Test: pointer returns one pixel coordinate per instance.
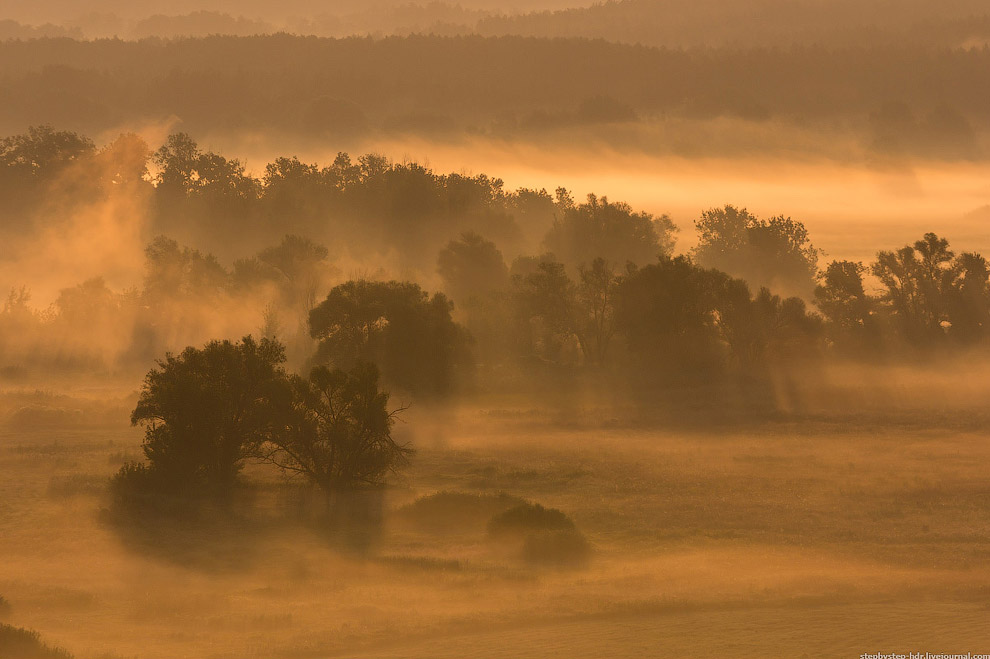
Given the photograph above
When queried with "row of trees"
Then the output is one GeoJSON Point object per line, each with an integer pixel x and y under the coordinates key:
{"type": "Point", "coordinates": [604, 277]}
{"type": "Point", "coordinates": [207, 199]}
{"type": "Point", "coordinates": [671, 318]}
{"type": "Point", "coordinates": [929, 297]}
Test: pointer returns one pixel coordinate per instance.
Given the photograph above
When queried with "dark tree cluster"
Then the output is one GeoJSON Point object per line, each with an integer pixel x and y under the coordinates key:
{"type": "Point", "coordinates": [607, 295]}
{"type": "Point", "coordinates": [207, 411]}
{"type": "Point", "coordinates": [929, 299]}
{"type": "Point", "coordinates": [397, 325]}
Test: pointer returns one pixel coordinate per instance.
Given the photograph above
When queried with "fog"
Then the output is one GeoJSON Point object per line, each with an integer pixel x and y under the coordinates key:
{"type": "Point", "coordinates": [533, 329]}
{"type": "Point", "coordinates": [955, 23]}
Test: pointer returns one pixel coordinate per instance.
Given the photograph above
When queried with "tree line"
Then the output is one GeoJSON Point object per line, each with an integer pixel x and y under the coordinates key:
{"type": "Point", "coordinates": [334, 89]}
{"type": "Point", "coordinates": [601, 290]}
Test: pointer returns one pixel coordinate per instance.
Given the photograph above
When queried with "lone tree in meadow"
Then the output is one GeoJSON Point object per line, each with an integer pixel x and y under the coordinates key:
{"type": "Point", "coordinates": [206, 410]}
{"type": "Point", "coordinates": [340, 432]}
{"type": "Point", "coordinates": [209, 410]}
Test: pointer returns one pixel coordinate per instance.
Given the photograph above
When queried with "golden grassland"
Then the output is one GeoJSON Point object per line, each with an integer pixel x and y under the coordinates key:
{"type": "Point", "coordinates": [815, 535]}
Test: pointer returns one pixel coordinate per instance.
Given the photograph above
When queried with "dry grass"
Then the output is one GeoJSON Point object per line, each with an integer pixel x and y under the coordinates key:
{"type": "Point", "coordinates": [817, 537]}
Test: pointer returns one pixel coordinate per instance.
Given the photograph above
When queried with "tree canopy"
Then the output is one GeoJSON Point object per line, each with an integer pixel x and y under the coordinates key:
{"type": "Point", "coordinates": [206, 409]}
{"type": "Point", "coordinates": [339, 433]}
{"type": "Point", "coordinates": [776, 253]}
{"type": "Point", "coordinates": [599, 228]}
{"type": "Point", "coordinates": [397, 326]}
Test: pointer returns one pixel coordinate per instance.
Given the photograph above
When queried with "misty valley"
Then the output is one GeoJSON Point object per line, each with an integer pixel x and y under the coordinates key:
{"type": "Point", "coordinates": [404, 331]}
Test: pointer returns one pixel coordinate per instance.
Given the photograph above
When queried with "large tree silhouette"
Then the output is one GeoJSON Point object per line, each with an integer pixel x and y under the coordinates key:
{"type": "Point", "coordinates": [339, 432]}
{"type": "Point", "coordinates": [397, 326]}
{"type": "Point", "coordinates": [207, 409]}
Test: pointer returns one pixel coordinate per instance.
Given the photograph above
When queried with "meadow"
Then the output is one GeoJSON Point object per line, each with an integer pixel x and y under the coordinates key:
{"type": "Point", "coordinates": [809, 534]}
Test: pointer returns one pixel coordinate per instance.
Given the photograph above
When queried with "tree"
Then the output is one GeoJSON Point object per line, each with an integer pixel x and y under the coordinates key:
{"type": "Point", "coordinates": [847, 308]}
{"type": "Point", "coordinates": [292, 190]}
{"type": "Point", "coordinates": [692, 323]}
{"type": "Point", "coordinates": [969, 306]}
{"type": "Point", "coordinates": [776, 253]}
{"type": "Point", "coordinates": [932, 295]}
{"type": "Point", "coordinates": [207, 409]}
{"type": "Point", "coordinates": [125, 161]}
{"type": "Point", "coordinates": [176, 161]}
{"type": "Point", "coordinates": [340, 433]}
{"type": "Point", "coordinates": [44, 166]}
{"type": "Point", "coordinates": [472, 266]}
{"type": "Point", "coordinates": [547, 306]}
{"type": "Point", "coordinates": [767, 330]}
{"type": "Point", "coordinates": [918, 280]}
{"type": "Point", "coordinates": [186, 170]}
{"type": "Point", "coordinates": [174, 272]}
{"type": "Point", "coordinates": [202, 193]}
{"type": "Point", "coordinates": [596, 293]}
{"type": "Point", "coordinates": [612, 231]}
{"type": "Point", "coordinates": [667, 314]}
{"type": "Point", "coordinates": [42, 153]}
{"type": "Point", "coordinates": [300, 268]}
{"type": "Point", "coordinates": [397, 326]}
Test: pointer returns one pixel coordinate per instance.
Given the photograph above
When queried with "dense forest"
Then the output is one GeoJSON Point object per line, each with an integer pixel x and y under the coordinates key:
{"type": "Point", "coordinates": [671, 23]}
{"type": "Point", "coordinates": [899, 99]}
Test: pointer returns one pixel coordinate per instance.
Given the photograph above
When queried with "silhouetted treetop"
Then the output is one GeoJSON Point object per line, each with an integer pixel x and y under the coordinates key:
{"type": "Point", "coordinates": [339, 433]}
{"type": "Point", "coordinates": [611, 231]}
{"type": "Point", "coordinates": [397, 326]}
{"type": "Point", "coordinates": [472, 266]}
{"type": "Point", "coordinates": [775, 253]}
{"type": "Point", "coordinates": [205, 410]}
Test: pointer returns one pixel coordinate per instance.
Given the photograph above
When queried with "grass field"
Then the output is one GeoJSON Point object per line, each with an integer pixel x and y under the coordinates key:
{"type": "Point", "coordinates": [809, 536]}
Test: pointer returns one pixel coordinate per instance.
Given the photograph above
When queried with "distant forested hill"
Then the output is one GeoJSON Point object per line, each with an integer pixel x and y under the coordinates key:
{"type": "Point", "coordinates": [506, 85]}
{"type": "Point", "coordinates": [758, 22]}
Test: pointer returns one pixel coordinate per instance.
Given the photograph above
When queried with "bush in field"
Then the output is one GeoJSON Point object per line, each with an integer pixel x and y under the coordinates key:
{"type": "Point", "coordinates": [208, 411]}
{"type": "Point", "coordinates": [18, 643]}
{"type": "Point", "coordinates": [456, 511]}
{"type": "Point", "coordinates": [558, 547]}
{"type": "Point", "coordinates": [528, 517]}
{"type": "Point", "coordinates": [140, 487]}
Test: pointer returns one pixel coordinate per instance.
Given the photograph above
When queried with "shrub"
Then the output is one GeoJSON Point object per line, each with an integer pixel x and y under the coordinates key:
{"type": "Point", "coordinates": [557, 547]}
{"type": "Point", "coordinates": [76, 484]}
{"type": "Point", "coordinates": [447, 511]}
{"type": "Point", "coordinates": [18, 643]}
{"type": "Point", "coordinates": [140, 488]}
{"type": "Point", "coordinates": [4, 606]}
{"type": "Point", "coordinates": [527, 517]}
